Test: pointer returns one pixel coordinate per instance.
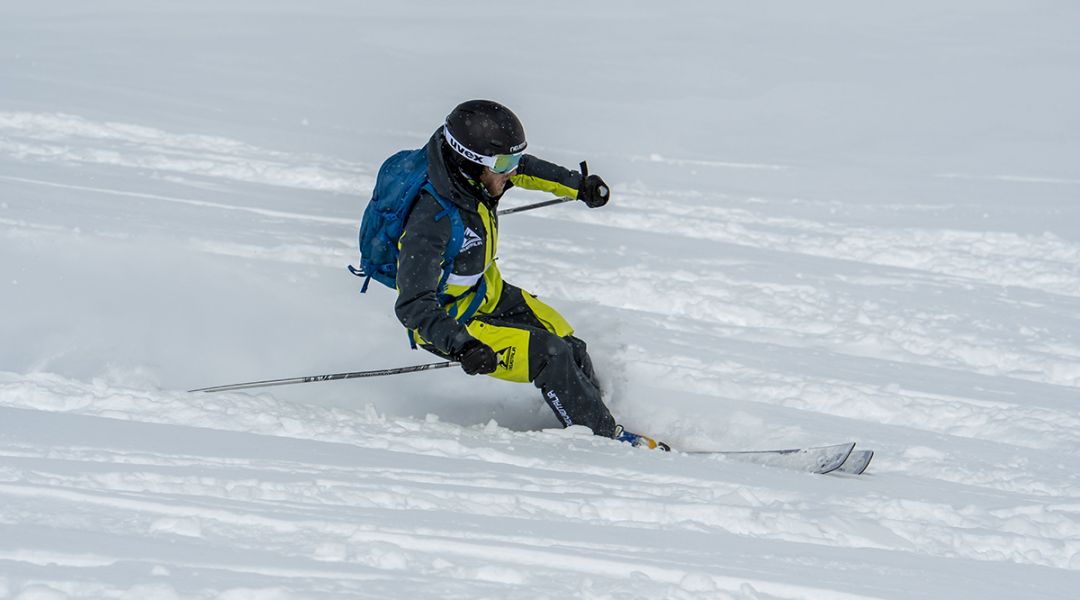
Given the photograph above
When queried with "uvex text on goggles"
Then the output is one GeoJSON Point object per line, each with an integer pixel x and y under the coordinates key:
{"type": "Point", "coordinates": [500, 163]}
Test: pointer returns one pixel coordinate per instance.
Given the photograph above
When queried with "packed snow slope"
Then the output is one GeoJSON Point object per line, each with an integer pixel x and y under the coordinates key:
{"type": "Point", "coordinates": [831, 221]}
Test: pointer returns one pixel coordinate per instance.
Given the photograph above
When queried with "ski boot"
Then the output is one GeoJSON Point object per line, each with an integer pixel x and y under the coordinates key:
{"type": "Point", "coordinates": [639, 441]}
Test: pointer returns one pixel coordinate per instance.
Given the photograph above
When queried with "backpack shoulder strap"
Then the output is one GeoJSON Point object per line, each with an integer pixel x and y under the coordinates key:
{"type": "Point", "coordinates": [457, 230]}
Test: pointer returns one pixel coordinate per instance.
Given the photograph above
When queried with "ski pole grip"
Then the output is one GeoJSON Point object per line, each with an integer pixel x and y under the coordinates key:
{"type": "Point", "coordinates": [584, 170]}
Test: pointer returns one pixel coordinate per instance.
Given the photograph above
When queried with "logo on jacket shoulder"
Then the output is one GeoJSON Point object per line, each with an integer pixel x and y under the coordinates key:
{"type": "Point", "coordinates": [471, 240]}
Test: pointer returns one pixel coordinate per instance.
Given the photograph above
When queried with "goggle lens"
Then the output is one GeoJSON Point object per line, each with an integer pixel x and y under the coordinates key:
{"type": "Point", "coordinates": [504, 163]}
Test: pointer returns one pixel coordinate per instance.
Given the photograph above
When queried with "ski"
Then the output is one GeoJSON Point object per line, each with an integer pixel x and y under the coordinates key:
{"type": "Point", "coordinates": [857, 462]}
{"type": "Point", "coordinates": [821, 460]}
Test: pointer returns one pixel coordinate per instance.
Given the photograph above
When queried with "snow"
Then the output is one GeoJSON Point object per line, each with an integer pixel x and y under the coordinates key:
{"type": "Point", "coordinates": [831, 221]}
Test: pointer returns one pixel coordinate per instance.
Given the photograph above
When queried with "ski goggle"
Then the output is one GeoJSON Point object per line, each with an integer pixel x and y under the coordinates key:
{"type": "Point", "coordinates": [500, 163]}
{"type": "Point", "coordinates": [504, 163]}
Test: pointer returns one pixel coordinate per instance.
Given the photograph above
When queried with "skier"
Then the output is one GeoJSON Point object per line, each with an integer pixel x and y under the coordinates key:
{"type": "Point", "coordinates": [464, 310]}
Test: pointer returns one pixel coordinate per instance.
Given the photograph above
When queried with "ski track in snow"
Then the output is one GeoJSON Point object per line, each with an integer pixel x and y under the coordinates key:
{"type": "Point", "coordinates": [74, 140]}
{"type": "Point", "coordinates": [954, 353]}
{"type": "Point", "coordinates": [1045, 263]}
{"type": "Point", "coordinates": [309, 496]}
{"type": "Point", "coordinates": [841, 315]}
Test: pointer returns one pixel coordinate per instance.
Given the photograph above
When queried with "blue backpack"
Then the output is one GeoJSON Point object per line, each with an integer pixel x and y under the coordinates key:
{"type": "Point", "coordinates": [397, 187]}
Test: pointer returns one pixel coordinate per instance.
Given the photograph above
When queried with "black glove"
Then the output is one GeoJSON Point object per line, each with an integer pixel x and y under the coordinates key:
{"type": "Point", "coordinates": [477, 358]}
{"type": "Point", "coordinates": [592, 191]}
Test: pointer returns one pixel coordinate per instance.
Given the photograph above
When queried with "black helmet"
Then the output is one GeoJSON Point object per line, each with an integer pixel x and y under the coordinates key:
{"type": "Point", "coordinates": [485, 133]}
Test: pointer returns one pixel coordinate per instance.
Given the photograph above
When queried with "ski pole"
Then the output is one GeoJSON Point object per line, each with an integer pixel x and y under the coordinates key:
{"type": "Point", "coordinates": [518, 209]}
{"type": "Point", "coordinates": [332, 377]}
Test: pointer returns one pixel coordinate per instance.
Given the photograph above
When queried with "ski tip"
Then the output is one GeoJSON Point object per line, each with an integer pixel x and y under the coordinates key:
{"type": "Point", "coordinates": [868, 456]}
{"type": "Point", "coordinates": [835, 460]}
{"type": "Point", "coordinates": [857, 463]}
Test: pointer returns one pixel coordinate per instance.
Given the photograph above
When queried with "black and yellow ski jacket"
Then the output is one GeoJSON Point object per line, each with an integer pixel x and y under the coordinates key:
{"type": "Point", "coordinates": [437, 315]}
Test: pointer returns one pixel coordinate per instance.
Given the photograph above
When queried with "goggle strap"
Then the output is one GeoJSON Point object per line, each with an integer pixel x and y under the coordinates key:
{"type": "Point", "coordinates": [491, 162]}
